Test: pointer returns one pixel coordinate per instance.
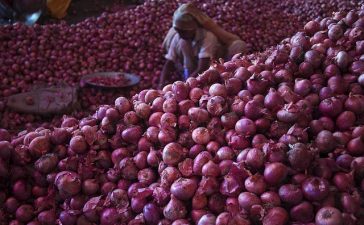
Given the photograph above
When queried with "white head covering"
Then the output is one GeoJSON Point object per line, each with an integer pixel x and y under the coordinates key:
{"type": "Point", "coordinates": [184, 21]}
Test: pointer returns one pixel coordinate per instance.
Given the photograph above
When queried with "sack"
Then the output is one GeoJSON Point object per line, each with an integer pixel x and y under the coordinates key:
{"type": "Point", "coordinates": [58, 8]}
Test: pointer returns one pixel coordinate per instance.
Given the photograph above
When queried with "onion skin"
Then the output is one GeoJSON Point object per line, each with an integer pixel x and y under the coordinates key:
{"type": "Point", "coordinates": [276, 215]}
{"type": "Point", "coordinates": [302, 212]}
{"type": "Point", "coordinates": [328, 215]}
{"type": "Point", "coordinates": [174, 209]}
{"type": "Point", "coordinates": [184, 189]}
{"type": "Point", "coordinates": [275, 173]}
{"type": "Point", "coordinates": [315, 189]}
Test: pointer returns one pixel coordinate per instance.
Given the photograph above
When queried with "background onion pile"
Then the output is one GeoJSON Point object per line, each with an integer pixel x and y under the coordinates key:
{"type": "Point", "coordinates": [129, 40]}
{"type": "Point", "coordinates": [269, 138]}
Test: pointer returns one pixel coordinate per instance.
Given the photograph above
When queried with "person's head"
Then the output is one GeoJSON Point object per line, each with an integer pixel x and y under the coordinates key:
{"type": "Point", "coordinates": [185, 25]}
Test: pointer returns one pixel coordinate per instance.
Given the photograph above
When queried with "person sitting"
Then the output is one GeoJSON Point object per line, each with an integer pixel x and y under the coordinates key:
{"type": "Point", "coordinates": [193, 41]}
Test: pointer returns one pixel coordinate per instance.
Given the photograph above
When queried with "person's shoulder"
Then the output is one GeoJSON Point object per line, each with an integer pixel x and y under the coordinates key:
{"type": "Point", "coordinates": [210, 35]}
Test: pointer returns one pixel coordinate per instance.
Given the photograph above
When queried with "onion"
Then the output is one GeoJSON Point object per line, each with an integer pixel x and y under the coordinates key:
{"type": "Point", "coordinates": [180, 90]}
{"type": "Point", "coordinates": [218, 90]}
{"type": "Point", "coordinates": [216, 106]}
{"type": "Point", "coordinates": [207, 219]}
{"type": "Point", "coordinates": [174, 210]}
{"type": "Point", "coordinates": [229, 120]}
{"type": "Point", "coordinates": [211, 169]}
{"type": "Point", "coordinates": [335, 32]}
{"type": "Point", "coordinates": [132, 134]}
{"type": "Point", "coordinates": [183, 188]}
{"type": "Point", "coordinates": [270, 198]}
{"type": "Point", "coordinates": [255, 184]}
{"type": "Point", "coordinates": [151, 214]}
{"type": "Point", "coordinates": [345, 120]}
{"type": "Point", "coordinates": [255, 158]}
{"type": "Point", "coordinates": [275, 173]}
{"type": "Point", "coordinates": [201, 135]}
{"type": "Point", "coordinates": [172, 153]}
{"type": "Point", "coordinates": [247, 200]}
{"type": "Point", "coordinates": [25, 213]}
{"type": "Point", "coordinates": [313, 57]}
{"type": "Point", "coordinates": [355, 103]}
{"type": "Point", "coordinates": [253, 110]}
{"type": "Point", "coordinates": [325, 141]}
{"type": "Point", "coordinates": [39, 145]}
{"type": "Point", "coordinates": [315, 188]}
{"type": "Point", "coordinates": [355, 146]}
{"type": "Point", "coordinates": [302, 212]}
{"type": "Point", "coordinates": [233, 86]}
{"type": "Point", "coordinates": [47, 217]}
{"type": "Point", "coordinates": [328, 215]}
{"type": "Point", "coordinates": [299, 157]}
{"type": "Point", "coordinates": [46, 163]}
{"type": "Point", "coordinates": [273, 100]}
{"type": "Point", "coordinates": [276, 215]}
{"type": "Point", "coordinates": [198, 115]}
{"type": "Point", "coordinates": [123, 105]}
{"type": "Point", "coordinates": [290, 194]}
{"type": "Point", "coordinates": [21, 190]}
{"type": "Point", "coordinates": [142, 110]}
{"type": "Point", "coordinates": [331, 107]}
{"type": "Point", "coordinates": [289, 114]}
{"type": "Point", "coordinates": [245, 127]}
{"type": "Point", "coordinates": [68, 183]}
{"type": "Point", "coordinates": [257, 85]}
{"type": "Point", "coordinates": [170, 105]}
{"type": "Point", "coordinates": [312, 27]}
{"type": "Point", "coordinates": [302, 87]}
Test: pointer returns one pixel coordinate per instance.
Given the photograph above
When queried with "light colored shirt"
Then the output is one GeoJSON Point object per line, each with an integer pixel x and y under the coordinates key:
{"type": "Point", "coordinates": [204, 45]}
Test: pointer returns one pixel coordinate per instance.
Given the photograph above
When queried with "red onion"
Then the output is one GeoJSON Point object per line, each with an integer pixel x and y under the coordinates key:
{"type": "Point", "coordinates": [198, 115]}
{"type": "Point", "coordinates": [315, 189]}
{"type": "Point", "coordinates": [257, 85]}
{"type": "Point", "coordinates": [201, 135]}
{"type": "Point", "coordinates": [218, 90]}
{"type": "Point", "coordinates": [276, 215]}
{"type": "Point", "coordinates": [302, 212]}
{"type": "Point", "coordinates": [132, 134]}
{"type": "Point", "coordinates": [216, 106]}
{"type": "Point", "coordinates": [355, 146]}
{"type": "Point", "coordinates": [325, 141]}
{"type": "Point", "coordinates": [174, 210]}
{"type": "Point", "coordinates": [247, 200]}
{"type": "Point", "coordinates": [180, 90]}
{"type": "Point", "coordinates": [328, 215]}
{"type": "Point", "coordinates": [275, 173]}
{"type": "Point", "coordinates": [290, 194]}
{"type": "Point", "coordinates": [245, 127]}
{"type": "Point", "coordinates": [299, 157]}
{"type": "Point", "coordinates": [273, 100]}
{"type": "Point", "coordinates": [68, 183]}
{"type": "Point", "coordinates": [270, 198]}
{"type": "Point", "coordinates": [255, 184]}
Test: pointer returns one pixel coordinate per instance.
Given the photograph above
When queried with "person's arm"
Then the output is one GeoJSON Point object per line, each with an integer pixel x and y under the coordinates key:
{"type": "Point", "coordinates": [203, 64]}
{"type": "Point", "coordinates": [167, 69]}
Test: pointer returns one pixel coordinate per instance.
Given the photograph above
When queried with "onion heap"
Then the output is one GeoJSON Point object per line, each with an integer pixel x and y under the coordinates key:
{"type": "Point", "coordinates": [129, 41]}
{"type": "Point", "coordinates": [269, 138]}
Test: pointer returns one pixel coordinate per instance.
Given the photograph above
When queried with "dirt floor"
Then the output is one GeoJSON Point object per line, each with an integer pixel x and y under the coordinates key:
{"type": "Point", "coordinates": [82, 9]}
